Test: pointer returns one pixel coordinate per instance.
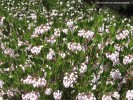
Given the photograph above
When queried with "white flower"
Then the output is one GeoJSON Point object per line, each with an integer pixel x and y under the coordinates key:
{"type": "Point", "coordinates": [57, 32]}
{"type": "Point", "coordinates": [41, 29]}
{"type": "Point", "coordinates": [109, 82]}
{"type": "Point", "coordinates": [95, 79]}
{"type": "Point", "coordinates": [48, 91]}
{"type": "Point", "coordinates": [54, 13]}
{"type": "Point", "coordinates": [10, 93]}
{"type": "Point", "coordinates": [1, 98]}
{"type": "Point", "coordinates": [41, 82]}
{"type": "Point", "coordinates": [114, 57]}
{"type": "Point", "coordinates": [1, 21]}
{"type": "Point", "coordinates": [118, 47]}
{"type": "Point", "coordinates": [70, 79]}
{"type": "Point", "coordinates": [9, 52]}
{"type": "Point", "coordinates": [116, 95]}
{"type": "Point", "coordinates": [30, 96]}
{"type": "Point", "coordinates": [86, 34]}
{"type": "Point", "coordinates": [127, 59]}
{"type": "Point", "coordinates": [36, 82]}
{"type": "Point", "coordinates": [83, 96]}
{"type": "Point", "coordinates": [94, 87]}
{"type": "Point", "coordinates": [70, 24]}
{"type": "Point", "coordinates": [79, 0]}
{"type": "Point", "coordinates": [51, 39]}
{"type": "Point", "coordinates": [78, 47]}
{"type": "Point", "coordinates": [123, 35]}
{"type": "Point", "coordinates": [20, 43]}
{"type": "Point", "coordinates": [36, 49]}
{"type": "Point", "coordinates": [49, 57]}
{"type": "Point", "coordinates": [33, 16]}
{"type": "Point", "coordinates": [75, 47]}
{"type": "Point", "coordinates": [1, 84]}
{"type": "Point", "coordinates": [81, 33]}
{"type": "Point", "coordinates": [65, 31]}
{"type": "Point", "coordinates": [63, 55]}
{"type": "Point", "coordinates": [115, 74]}
{"type": "Point", "coordinates": [106, 97]}
{"type": "Point", "coordinates": [87, 60]}
{"type": "Point", "coordinates": [67, 82]}
{"type": "Point", "coordinates": [2, 46]}
{"type": "Point", "coordinates": [129, 95]}
{"type": "Point", "coordinates": [83, 68]}
{"type": "Point", "coordinates": [51, 54]}
{"type": "Point", "coordinates": [57, 95]}
{"type": "Point", "coordinates": [100, 46]}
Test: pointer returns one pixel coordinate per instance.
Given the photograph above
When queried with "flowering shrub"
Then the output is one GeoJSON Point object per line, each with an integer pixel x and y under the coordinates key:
{"type": "Point", "coordinates": [64, 51]}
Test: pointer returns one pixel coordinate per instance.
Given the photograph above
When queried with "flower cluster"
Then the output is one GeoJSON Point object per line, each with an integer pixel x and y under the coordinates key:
{"type": "Point", "coordinates": [83, 68]}
{"type": "Point", "coordinates": [129, 95]}
{"type": "Point", "coordinates": [70, 79]}
{"type": "Point", "coordinates": [75, 47]}
{"type": "Point", "coordinates": [106, 97]}
{"type": "Point", "coordinates": [54, 13]}
{"type": "Point", "coordinates": [70, 23]}
{"type": "Point", "coordinates": [57, 32]}
{"type": "Point", "coordinates": [118, 47]}
{"type": "Point", "coordinates": [114, 57]}
{"type": "Point", "coordinates": [123, 35]}
{"type": "Point", "coordinates": [57, 95]}
{"type": "Point", "coordinates": [62, 54]}
{"type": "Point", "coordinates": [51, 54]}
{"type": "Point", "coordinates": [95, 78]}
{"type": "Point", "coordinates": [36, 50]}
{"type": "Point", "coordinates": [111, 95]}
{"type": "Point", "coordinates": [10, 52]}
{"type": "Point", "coordinates": [33, 16]}
{"type": "Point", "coordinates": [48, 91]}
{"type": "Point", "coordinates": [127, 59]}
{"type": "Point", "coordinates": [65, 31]}
{"type": "Point", "coordinates": [11, 93]}
{"type": "Point", "coordinates": [115, 74]}
{"type": "Point", "coordinates": [86, 34]}
{"type": "Point", "coordinates": [83, 96]}
{"type": "Point", "coordinates": [30, 96]}
{"type": "Point", "coordinates": [51, 39]}
{"type": "Point", "coordinates": [36, 82]}
{"type": "Point", "coordinates": [41, 29]}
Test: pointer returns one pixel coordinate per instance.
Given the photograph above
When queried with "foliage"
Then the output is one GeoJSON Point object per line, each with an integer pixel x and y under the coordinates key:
{"type": "Point", "coordinates": [64, 50]}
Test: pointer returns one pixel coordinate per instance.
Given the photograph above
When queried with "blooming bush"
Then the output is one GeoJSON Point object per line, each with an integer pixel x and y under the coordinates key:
{"type": "Point", "coordinates": [64, 51]}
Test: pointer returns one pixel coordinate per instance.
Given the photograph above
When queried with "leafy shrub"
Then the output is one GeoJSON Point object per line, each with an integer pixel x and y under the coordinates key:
{"type": "Point", "coordinates": [54, 50]}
